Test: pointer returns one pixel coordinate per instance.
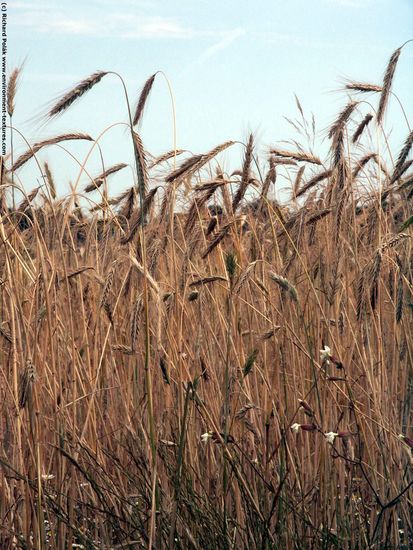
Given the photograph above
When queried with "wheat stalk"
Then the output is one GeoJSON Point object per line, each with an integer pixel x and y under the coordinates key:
{"type": "Point", "coordinates": [361, 127]}
{"type": "Point", "coordinates": [142, 99]}
{"type": "Point", "coordinates": [75, 93]}
{"type": "Point", "coordinates": [12, 85]}
{"type": "Point", "coordinates": [245, 175]}
{"type": "Point", "coordinates": [296, 155]}
{"type": "Point", "coordinates": [387, 83]}
{"type": "Point", "coordinates": [50, 141]}
{"type": "Point", "coordinates": [101, 178]}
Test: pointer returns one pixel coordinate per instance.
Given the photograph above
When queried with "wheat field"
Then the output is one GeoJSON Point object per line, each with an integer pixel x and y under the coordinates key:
{"type": "Point", "coordinates": [195, 363]}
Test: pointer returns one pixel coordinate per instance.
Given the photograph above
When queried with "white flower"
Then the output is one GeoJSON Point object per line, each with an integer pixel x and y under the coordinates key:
{"type": "Point", "coordinates": [325, 354]}
{"type": "Point", "coordinates": [295, 427]}
{"type": "Point", "coordinates": [46, 477]}
{"type": "Point", "coordinates": [168, 443]}
{"type": "Point", "coordinates": [330, 436]}
{"type": "Point", "coordinates": [406, 440]}
{"type": "Point", "coordinates": [206, 436]}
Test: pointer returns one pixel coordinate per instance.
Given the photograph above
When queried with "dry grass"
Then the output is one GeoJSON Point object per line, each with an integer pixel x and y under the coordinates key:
{"type": "Point", "coordinates": [280, 333]}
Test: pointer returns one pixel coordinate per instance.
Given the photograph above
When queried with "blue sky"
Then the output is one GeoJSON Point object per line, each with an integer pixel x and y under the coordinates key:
{"type": "Point", "coordinates": [234, 66]}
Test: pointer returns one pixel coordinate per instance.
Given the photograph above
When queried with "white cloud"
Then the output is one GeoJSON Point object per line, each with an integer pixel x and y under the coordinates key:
{"type": "Point", "coordinates": [350, 3]}
{"type": "Point", "coordinates": [272, 37]}
{"type": "Point", "coordinates": [226, 40]}
{"type": "Point", "coordinates": [71, 26]}
{"type": "Point", "coordinates": [28, 6]}
{"type": "Point", "coordinates": [133, 26]}
{"type": "Point", "coordinates": [128, 25]}
{"type": "Point", "coordinates": [120, 25]}
{"type": "Point", "coordinates": [45, 21]}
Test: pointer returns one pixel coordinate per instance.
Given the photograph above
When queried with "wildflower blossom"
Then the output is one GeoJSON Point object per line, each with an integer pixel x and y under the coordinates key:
{"type": "Point", "coordinates": [307, 409]}
{"type": "Point", "coordinates": [325, 354]}
{"type": "Point", "coordinates": [406, 440]}
{"type": "Point", "coordinates": [330, 436]}
{"type": "Point", "coordinates": [206, 436]}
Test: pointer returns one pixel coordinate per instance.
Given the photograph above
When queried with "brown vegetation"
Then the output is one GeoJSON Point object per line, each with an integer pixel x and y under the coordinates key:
{"type": "Point", "coordinates": [236, 373]}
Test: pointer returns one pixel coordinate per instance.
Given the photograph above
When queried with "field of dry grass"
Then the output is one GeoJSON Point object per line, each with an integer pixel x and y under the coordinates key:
{"type": "Point", "coordinates": [235, 372]}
